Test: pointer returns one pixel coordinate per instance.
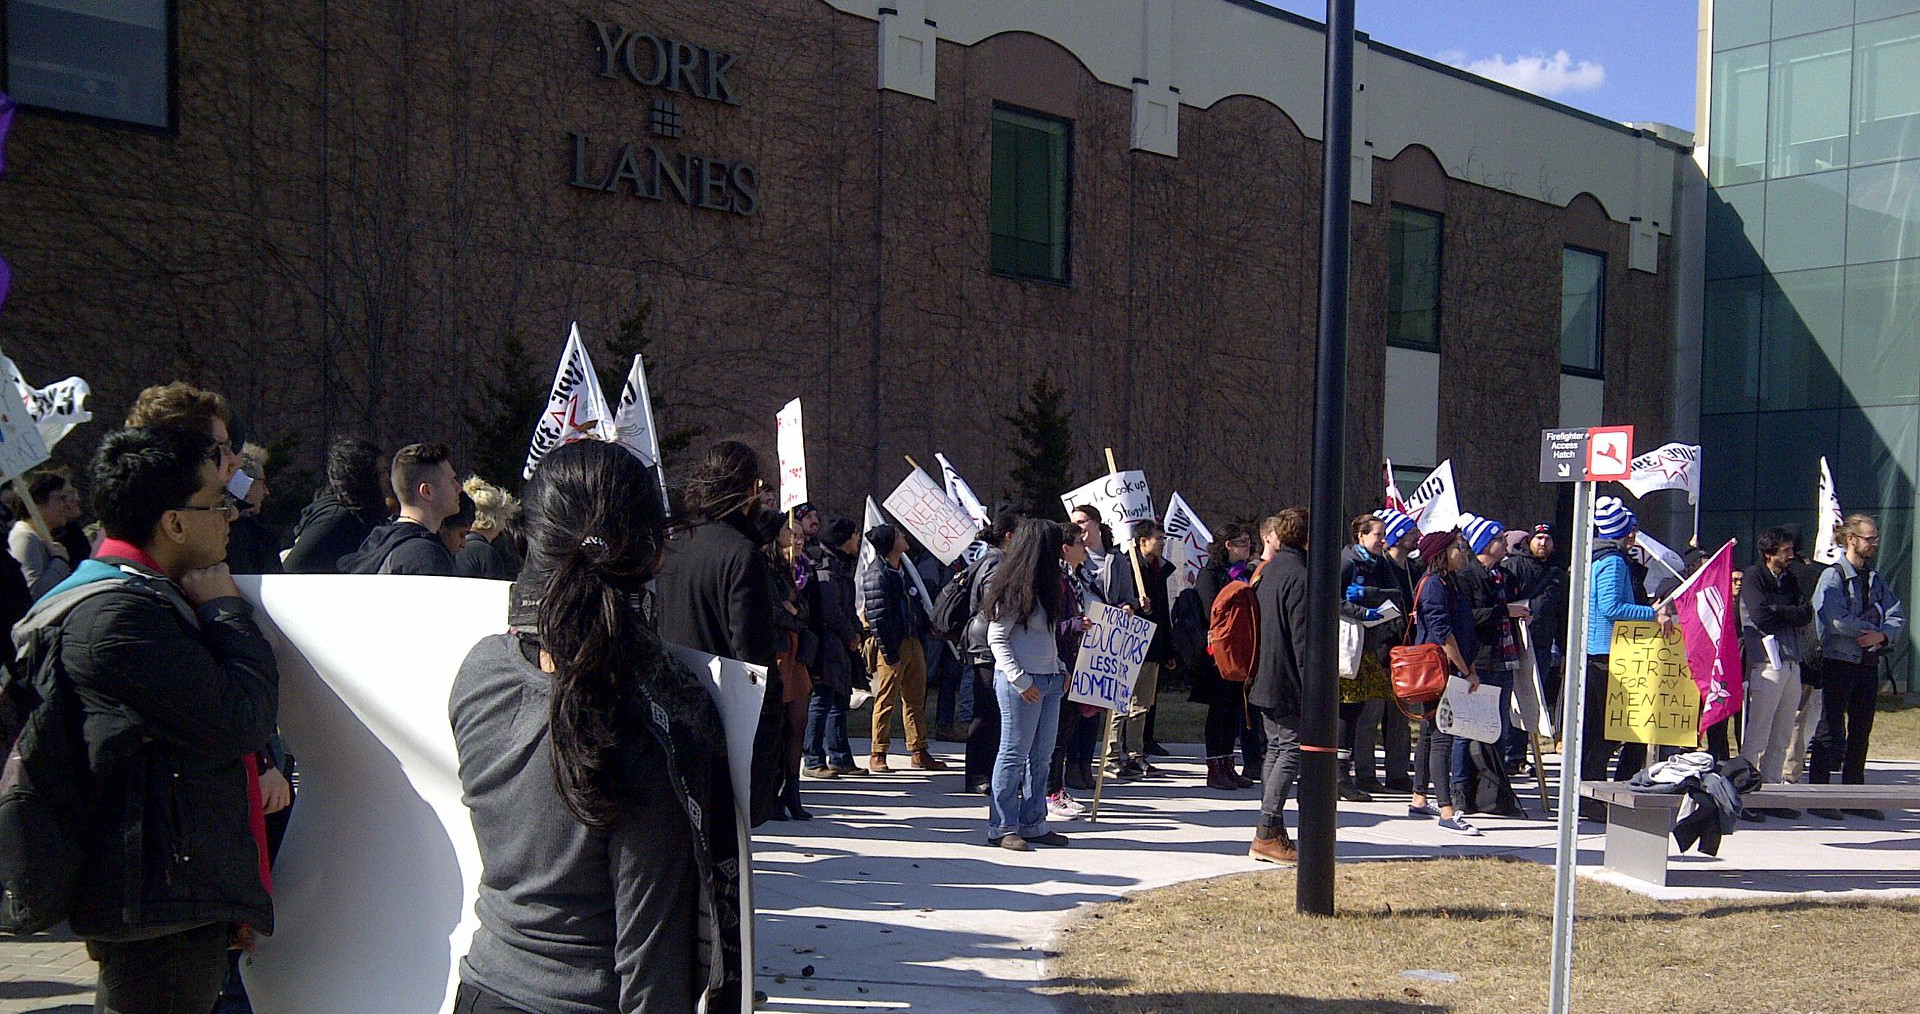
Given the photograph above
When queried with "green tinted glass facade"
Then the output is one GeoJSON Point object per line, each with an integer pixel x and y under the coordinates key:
{"type": "Point", "coordinates": [1812, 319]}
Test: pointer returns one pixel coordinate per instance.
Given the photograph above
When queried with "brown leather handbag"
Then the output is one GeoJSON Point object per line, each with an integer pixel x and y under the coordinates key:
{"type": "Point", "coordinates": [1419, 671]}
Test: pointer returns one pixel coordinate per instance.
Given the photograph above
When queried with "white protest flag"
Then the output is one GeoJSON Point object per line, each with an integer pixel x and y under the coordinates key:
{"type": "Point", "coordinates": [375, 882]}
{"type": "Point", "coordinates": [1669, 466]}
{"type": "Point", "coordinates": [960, 493]}
{"type": "Point", "coordinates": [21, 446]}
{"type": "Point", "coordinates": [56, 408]}
{"type": "Point", "coordinates": [922, 507]}
{"type": "Point", "coordinates": [1435, 503]}
{"type": "Point", "coordinates": [1660, 561]}
{"type": "Point", "coordinates": [634, 416]}
{"type": "Point", "coordinates": [576, 408]}
{"type": "Point", "coordinates": [1392, 499]}
{"type": "Point", "coordinates": [1121, 498]}
{"type": "Point", "coordinates": [792, 446]}
{"type": "Point", "coordinates": [1189, 546]}
{"type": "Point", "coordinates": [1827, 517]}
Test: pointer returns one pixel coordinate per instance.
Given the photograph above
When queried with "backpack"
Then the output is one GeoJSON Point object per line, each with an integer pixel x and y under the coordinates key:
{"type": "Point", "coordinates": [1233, 632]}
{"type": "Point", "coordinates": [953, 607]}
{"type": "Point", "coordinates": [46, 801]}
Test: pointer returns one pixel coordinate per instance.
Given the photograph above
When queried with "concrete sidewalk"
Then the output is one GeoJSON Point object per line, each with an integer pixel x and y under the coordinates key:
{"type": "Point", "coordinates": [891, 900]}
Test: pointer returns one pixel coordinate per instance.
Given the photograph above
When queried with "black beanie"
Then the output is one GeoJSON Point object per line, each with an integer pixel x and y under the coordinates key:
{"type": "Point", "coordinates": [837, 530]}
{"type": "Point", "coordinates": [880, 537]}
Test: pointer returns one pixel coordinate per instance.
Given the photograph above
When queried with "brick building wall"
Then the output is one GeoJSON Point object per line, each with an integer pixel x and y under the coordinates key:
{"type": "Point", "coordinates": [363, 200]}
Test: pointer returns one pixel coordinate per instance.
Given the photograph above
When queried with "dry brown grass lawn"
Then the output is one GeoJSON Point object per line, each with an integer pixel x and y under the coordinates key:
{"type": "Point", "coordinates": [1235, 944]}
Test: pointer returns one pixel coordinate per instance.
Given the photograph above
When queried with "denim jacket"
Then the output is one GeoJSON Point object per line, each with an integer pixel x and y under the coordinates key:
{"type": "Point", "coordinates": [1842, 619]}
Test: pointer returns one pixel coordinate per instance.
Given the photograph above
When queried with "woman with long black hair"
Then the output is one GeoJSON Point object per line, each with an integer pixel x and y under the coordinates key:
{"type": "Point", "coordinates": [1024, 597]}
{"type": "Point", "coordinates": [596, 771]}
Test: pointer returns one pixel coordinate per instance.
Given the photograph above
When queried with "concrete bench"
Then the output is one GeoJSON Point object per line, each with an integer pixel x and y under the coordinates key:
{"type": "Point", "coordinates": [1640, 823]}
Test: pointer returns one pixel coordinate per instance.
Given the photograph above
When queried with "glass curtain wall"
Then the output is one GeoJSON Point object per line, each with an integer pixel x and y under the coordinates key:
{"type": "Point", "coordinates": [1812, 342]}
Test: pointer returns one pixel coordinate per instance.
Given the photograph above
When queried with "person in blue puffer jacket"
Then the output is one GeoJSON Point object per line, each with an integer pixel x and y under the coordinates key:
{"type": "Point", "coordinates": [1612, 599]}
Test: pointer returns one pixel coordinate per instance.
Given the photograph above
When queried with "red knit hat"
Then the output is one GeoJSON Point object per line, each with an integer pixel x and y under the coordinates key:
{"type": "Point", "coordinates": [1434, 545]}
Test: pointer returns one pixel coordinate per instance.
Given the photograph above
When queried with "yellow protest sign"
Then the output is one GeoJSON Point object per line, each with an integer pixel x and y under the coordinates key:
{"type": "Point", "coordinates": [1651, 696]}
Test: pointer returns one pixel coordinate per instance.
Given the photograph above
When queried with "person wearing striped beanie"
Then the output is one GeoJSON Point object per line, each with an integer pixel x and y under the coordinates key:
{"type": "Point", "coordinates": [1611, 599]}
{"type": "Point", "coordinates": [1380, 724]}
{"type": "Point", "coordinates": [1399, 527]}
{"type": "Point", "coordinates": [1479, 770]}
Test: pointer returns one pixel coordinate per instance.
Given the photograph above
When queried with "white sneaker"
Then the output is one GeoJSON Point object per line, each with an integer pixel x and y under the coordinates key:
{"type": "Point", "coordinates": [1064, 807]}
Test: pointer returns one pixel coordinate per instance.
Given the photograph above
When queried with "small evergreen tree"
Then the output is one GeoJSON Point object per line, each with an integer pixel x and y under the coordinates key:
{"type": "Point", "coordinates": [1043, 444]}
{"type": "Point", "coordinates": [631, 339]}
{"type": "Point", "coordinates": [511, 403]}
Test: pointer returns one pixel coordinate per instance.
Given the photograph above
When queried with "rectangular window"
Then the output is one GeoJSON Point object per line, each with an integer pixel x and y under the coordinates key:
{"type": "Point", "coordinates": [1886, 90]}
{"type": "Point", "coordinates": [108, 60]}
{"type": "Point", "coordinates": [1811, 90]}
{"type": "Point", "coordinates": [1583, 303]}
{"type": "Point", "coordinates": [1737, 117]}
{"type": "Point", "coordinates": [1029, 182]}
{"type": "Point", "coordinates": [1413, 278]}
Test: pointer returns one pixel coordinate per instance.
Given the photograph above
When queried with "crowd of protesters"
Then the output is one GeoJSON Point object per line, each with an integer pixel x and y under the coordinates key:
{"type": "Point", "coordinates": [604, 811]}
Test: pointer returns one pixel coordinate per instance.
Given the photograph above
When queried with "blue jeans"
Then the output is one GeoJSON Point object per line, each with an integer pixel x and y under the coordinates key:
{"type": "Point", "coordinates": [1462, 770]}
{"type": "Point", "coordinates": [827, 730]}
{"type": "Point", "coordinates": [1018, 804]}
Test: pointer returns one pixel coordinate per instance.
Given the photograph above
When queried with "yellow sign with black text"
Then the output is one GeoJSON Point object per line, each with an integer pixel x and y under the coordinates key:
{"type": "Point", "coordinates": [1651, 695]}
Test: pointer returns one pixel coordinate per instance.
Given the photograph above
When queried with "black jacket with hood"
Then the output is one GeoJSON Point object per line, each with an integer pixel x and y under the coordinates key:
{"type": "Point", "coordinates": [403, 547]}
{"type": "Point", "coordinates": [328, 529]}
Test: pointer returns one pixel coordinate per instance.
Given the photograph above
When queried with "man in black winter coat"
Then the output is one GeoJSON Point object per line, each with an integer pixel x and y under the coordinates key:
{"type": "Point", "coordinates": [423, 481]}
{"type": "Point", "coordinates": [1774, 609]}
{"type": "Point", "coordinates": [178, 689]}
{"type": "Point", "coordinates": [1281, 595]}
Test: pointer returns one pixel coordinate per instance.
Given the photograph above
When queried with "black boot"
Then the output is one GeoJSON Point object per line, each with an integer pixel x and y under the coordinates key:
{"type": "Point", "coordinates": [1080, 776]}
{"type": "Point", "coordinates": [790, 800]}
{"type": "Point", "coordinates": [1352, 793]}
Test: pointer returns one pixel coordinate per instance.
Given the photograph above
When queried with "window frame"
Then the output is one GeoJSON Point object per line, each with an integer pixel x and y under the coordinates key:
{"type": "Point", "coordinates": [1439, 274]}
{"type": "Point", "coordinates": [170, 129]}
{"type": "Point", "coordinates": [1598, 370]}
{"type": "Point", "coordinates": [1066, 199]}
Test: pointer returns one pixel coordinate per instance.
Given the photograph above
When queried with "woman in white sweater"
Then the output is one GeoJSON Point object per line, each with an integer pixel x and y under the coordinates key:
{"type": "Point", "coordinates": [44, 563]}
{"type": "Point", "coordinates": [1024, 597]}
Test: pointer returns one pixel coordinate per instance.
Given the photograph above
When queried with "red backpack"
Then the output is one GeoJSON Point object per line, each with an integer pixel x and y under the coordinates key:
{"type": "Point", "coordinates": [1233, 631]}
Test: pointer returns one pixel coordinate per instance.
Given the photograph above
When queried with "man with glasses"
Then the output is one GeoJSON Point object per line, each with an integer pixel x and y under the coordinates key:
{"type": "Point", "coordinates": [1859, 617]}
{"type": "Point", "coordinates": [179, 690]}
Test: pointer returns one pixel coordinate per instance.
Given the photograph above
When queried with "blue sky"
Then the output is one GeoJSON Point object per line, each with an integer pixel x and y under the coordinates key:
{"type": "Point", "coordinates": [1624, 60]}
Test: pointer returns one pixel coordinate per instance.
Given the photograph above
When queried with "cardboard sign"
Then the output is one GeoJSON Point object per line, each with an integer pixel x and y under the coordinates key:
{"type": "Point", "coordinates": [1651, 695]}
{"type": "Point", "coordinates": [1111, 653]}
{"type": "Point", "coordinates": [922, 507]}
{"type": "Point", "coordinates": [1122, 498]}
{"type": "Point", "coordinates": [21, 446]}
{"type": "Point", "coordinates": [791, 444]}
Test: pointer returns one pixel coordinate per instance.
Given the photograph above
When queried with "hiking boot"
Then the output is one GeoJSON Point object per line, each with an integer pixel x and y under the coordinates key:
{"type": "Point", "coordinates": [878, 764]}
{"type": "Point", "coordinates": [1011, 842]}
{"type": "Point", "coordinates": [1220, 775]}
{"type": "Point", "coordinates": [1271, 845]}
{"type": "Point", "coordinates": [1054, 838]}
{"type": "Point", "coordinates": [926, 761]}
{"type": "Point", "coordinates": [1080, 776]}
{"type": "Point", "coordinates": [820, 772]}
{"type": "Point", "coordinates": [852, 769]}
{"type": "Point", "coordinates": [1351, 793]}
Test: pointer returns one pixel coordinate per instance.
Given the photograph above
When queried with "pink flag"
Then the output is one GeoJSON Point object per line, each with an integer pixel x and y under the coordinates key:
{"type": "Point", "coordinates": [1710, 624]}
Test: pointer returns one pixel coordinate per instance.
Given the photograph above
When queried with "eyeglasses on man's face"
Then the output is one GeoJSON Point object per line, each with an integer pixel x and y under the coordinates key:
{"type": "Point", "coordinates": [226, 511]}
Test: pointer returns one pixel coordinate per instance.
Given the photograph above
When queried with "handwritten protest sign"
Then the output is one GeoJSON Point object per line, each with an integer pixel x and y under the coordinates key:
{"type": "Point", "coordinates": [922, 506]}
{"type": "Point", "coordinates": [790, 444]}
{"type": "Point", "coordinates": [1121, 497]}
{"type": "Point", "coordinates": [1111, 651]}
{"type": "Point", "coordinates": [21, 446]}
{"type": "Point", "coordinates": [1651, 695]}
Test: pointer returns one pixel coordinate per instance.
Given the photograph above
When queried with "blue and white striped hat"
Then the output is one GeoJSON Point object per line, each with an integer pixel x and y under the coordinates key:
{"type": "Point", "coordinates": [1398, 524]}
{"type": "Point", "coordinates": [1612, 519]}
{"type": "Point", "coordinates": [1479, 532]}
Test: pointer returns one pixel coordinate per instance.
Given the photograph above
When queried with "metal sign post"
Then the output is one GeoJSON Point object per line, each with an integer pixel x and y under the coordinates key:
{"type": "Point", "coordinates": [1572, 720]}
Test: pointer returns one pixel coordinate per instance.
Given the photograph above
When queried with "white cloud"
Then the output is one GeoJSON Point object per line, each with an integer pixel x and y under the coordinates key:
{"type": "Point", "coordinates": [1539, 74]}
